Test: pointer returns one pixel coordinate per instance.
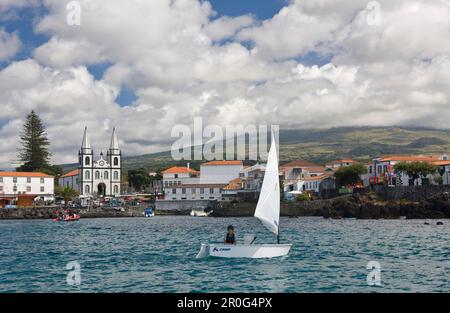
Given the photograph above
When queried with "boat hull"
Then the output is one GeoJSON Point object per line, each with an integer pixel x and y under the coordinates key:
{"type": "Point", "coordinates": [244, 251]}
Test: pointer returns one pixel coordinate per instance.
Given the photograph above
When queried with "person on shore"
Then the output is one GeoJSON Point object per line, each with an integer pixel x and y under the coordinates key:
{"type": "Point", "coordinates": [230, 239]}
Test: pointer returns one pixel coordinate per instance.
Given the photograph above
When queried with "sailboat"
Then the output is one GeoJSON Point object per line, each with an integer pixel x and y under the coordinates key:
{"type": "Point", "coordinates": [267, 211]}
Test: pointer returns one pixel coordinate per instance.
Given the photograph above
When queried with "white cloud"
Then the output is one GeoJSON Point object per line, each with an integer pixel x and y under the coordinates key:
{"type": "Point", "coordinates": [9, 45]}
{"type": "Point", "coordinates": [182, 64]}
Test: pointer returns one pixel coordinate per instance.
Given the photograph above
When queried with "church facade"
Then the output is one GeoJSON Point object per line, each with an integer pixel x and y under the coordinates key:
{"type": "Point", "coordinates": [99, 177]}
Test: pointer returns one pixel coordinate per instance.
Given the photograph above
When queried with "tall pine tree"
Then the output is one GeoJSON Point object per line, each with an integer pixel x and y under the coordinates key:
{"type": "Point", "coordinates": [33, 153]}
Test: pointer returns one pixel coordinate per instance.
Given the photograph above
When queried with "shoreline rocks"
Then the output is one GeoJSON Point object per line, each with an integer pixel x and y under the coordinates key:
{"type": "Point", "coordinates": [359, 206]}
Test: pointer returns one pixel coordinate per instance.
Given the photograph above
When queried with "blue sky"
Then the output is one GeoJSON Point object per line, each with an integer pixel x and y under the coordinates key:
{"type": "Point", "coordinates": [262, 9]}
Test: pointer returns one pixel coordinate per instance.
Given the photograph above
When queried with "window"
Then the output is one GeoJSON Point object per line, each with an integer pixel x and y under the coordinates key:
{"type": "Point", "coordinates": [116, 175]}
{"type": "Point", "coordinates": [179, 182]}
{"type": "Point", "coordinates": [42, 180]}
{"type": "Point", "coordinates": [211, 190]}
{"type": "Point", "coordinates": [97, 175]}
{"type": "Point", "coordinates": [87, 161]}
{"type": "Point", "coordinates": [1, 179]}
{"type": "Point", "coordinates": [385, 168]}
{"type": "Point", "coordinates": [68, 185]}
{"type": "Point", "coordinates": [28, 188]}
{"type": "Point", "coordinates": [28, 179]}
{"type": "Point", "coordinates": [176, 176]}
{"type": "Point", "coordinates": [116, 190]}
{"type": "Point", "coordinates": [183, 191]}
{"type": "Point", "coordinates": [106, 175]}
{"type": "Point", "coordinates": [174, 191]}
{"type": "Point", "coordinates": [14, 179]}
{"type": "Point", "coordinates": [116, 161]}
{"type": "Point", "coordinates": [193, 191]}
{"type": "Point", "coordinates": [87, 175]}
{"type": "Point", "coordinates": [166, 183]}
{"type": "Point", "coordinates": [379, 169]}
{"type": "Point", "coordinates": [202, 191]}
{"type": "Point", "coordinates": [1, 188]}
{"type": "Point", "coordinates": [370, 169]}
{"type": "Point", "coordinates": [170, 183]}
{"type": "Point", "coordinates": [42, 188]}
{"type": "Point", "coordinates": [15, 188]}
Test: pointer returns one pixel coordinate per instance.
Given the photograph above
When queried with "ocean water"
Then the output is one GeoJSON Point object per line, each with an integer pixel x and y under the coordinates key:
{"type": "Point", "coordinates": [158, 255]}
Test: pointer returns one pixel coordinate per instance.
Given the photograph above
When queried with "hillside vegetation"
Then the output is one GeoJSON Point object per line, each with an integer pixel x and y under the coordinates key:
{"type": "Point", "coordinates": [322, 145]}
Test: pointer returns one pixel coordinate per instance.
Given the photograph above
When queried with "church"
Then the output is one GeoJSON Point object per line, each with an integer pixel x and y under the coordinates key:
{"type": "Point", "coordinates": [96, 177]}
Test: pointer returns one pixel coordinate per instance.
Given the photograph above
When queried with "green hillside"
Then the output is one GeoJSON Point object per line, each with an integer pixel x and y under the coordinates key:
{"type": "Point", "coordinates": [322, 145]}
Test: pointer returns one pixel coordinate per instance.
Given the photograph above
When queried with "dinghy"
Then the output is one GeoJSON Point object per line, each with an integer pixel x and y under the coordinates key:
{"type": "Point", "coordinates": [267, 211]}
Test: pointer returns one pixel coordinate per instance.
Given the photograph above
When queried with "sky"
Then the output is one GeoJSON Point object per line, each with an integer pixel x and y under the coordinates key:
{"type": "Point", "coordinates": [146, 66]}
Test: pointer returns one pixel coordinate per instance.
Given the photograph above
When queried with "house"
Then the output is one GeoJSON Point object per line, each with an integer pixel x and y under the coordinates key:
{"type": "Point", "coordinates": [13, 184]}
{"type": "Point", "coordinates": [253, 177]}
{"type": "Point", "coordinates": [335, 164]}
{"type": "Point", "coordinates": [295, 172]}
{"type": "Point", "coordinates": [230, 191]}
{"type": "Point", "coordinates": [310, 184]}
{"type": "Point", "coordinates": [70, 179]}
{"type": "Point", "coordinates": [381, 170]}
{"type": "Point", "coordinates": [179, 175]}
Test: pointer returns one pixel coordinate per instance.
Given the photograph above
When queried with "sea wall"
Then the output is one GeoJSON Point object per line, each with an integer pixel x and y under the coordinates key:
{"type": "Point", "coordinates": [183, 205]}
{"type": "Point", "coordinates": [49, 213]}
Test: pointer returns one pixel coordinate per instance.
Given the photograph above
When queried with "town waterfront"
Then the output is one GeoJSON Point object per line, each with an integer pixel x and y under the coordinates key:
{"type": "Point", "coordinates": [158, 255]}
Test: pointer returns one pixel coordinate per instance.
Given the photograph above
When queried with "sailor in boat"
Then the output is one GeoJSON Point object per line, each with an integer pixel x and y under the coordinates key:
{"type": "Point", "coordinates": [229, 239]}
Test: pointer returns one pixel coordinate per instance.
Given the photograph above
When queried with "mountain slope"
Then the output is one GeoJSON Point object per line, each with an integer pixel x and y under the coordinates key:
{"type": "Point", "coordinates": [322, 145]}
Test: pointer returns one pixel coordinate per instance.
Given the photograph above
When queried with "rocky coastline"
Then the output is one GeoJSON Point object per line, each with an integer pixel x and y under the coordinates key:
{"type": "Point", "coordinates": [359, 206]}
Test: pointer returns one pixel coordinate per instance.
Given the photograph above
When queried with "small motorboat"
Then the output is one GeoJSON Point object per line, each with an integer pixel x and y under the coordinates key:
{"type": "Point", "coordinates": [67, 218]}
{"type": "Point", "coordinates": [200, 212]}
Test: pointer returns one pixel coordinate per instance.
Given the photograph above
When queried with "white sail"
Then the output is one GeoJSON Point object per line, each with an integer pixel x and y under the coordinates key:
{"type": "Point", "coordinates": [268, 208]}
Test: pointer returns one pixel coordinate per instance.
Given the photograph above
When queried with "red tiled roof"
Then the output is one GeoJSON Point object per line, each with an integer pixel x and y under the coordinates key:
{"type": "Point", "coordinates": [220, 163]}
{"type": "Point", "coordinates": [235, 184]}
{"type": "Point", "coordinates": [320, 177]}
{"type": "Point", "coordinates": [441, 162]}
{"type": "Point", "coordinates": [178, 170]}
{"type": "Point", "coordinates": [24, 174]}
{"type": "Point", "coordinates": [409, 158]}
{"type": "Point", "coordinates": [71, 173]}
{"type": "Point", "coordinates": [316, 169]}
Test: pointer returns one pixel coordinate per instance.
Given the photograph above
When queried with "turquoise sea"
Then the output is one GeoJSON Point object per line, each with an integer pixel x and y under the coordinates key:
{"type": "Point", "coordinates": [158, 255]}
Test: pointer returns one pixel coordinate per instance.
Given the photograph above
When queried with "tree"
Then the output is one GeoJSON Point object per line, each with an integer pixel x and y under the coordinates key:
{"type": "Point", "coordinates": [350, 175]}
{"type": "Point", "coordinates": [415, 170]}
{"type": "Point", "coordinates": [33, 152]}
{"type": "Point", "coordinates": [138, 179]}
{"type": "Point", "coordinates": [67, 193]}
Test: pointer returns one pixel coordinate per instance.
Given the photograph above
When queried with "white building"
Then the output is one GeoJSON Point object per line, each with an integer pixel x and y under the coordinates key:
{"type": "Point", "coordinates": [15, 183]}
{"type": "Point", "coordinates": [184, 183]}
{"type": "Point", "coordinates": [195, 192]}
{"type": "Point", "coordinates": [220, 172]}
{"type": "Point", "coordinates": [101, 177]}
